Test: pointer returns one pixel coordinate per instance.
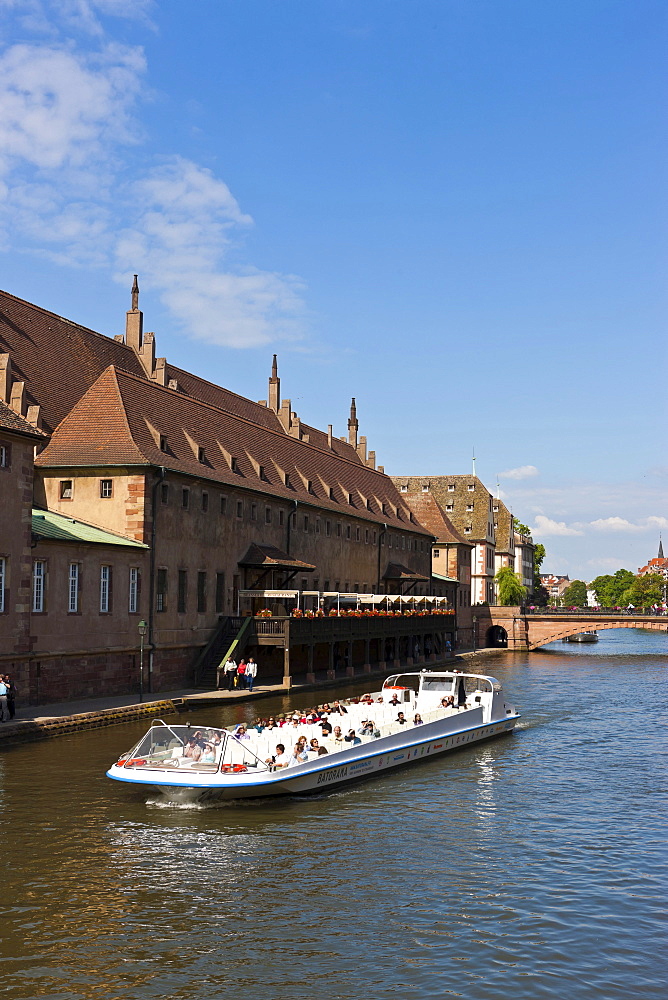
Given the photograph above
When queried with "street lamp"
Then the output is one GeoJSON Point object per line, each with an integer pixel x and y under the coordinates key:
{"type": "Point", "coordinates": [142, 628]}
{"type": "Point", "coordinates": [475, 631]}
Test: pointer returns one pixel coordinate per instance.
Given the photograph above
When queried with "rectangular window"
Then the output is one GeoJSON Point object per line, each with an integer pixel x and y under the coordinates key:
{"type": "Point", "coordinates": [38, 573]}
{"type": "Point", "coordinates": [317, 525]}
{"type": "Point", "coordinates": [73, 589]}
{"type": "Point", "coordinates": [105, 589]}
{"type": "Point", "coordinates": [305, 522]}
{"type": "Point", "coordinates": [66, 490]}
{"type": "Point", "coordinates": [267, 515]}
{"type": "Point", "coordinates": [164, 492]}
{"type": "Point", "coordinates": [328, 528]}
{"type": "Point", "coordinates": [374, 537]}
{"type": "Point", "coordinates": [223, 505]}
{"type": "Point", "coordinates": [185, 498]}
{"type": "Point", "coordinates": [281, 518]}
{"type": "Point", "coordinates": [205, 502]}
{"type": "Point", "coordinates": [201, 458]}
{"type": "Point", "coordinates": [347, 531]}
{"type": "Point", "coordinates": [133, 591]}
{"type": "Point", "coordinates": [253, 512]}
{"type": "Point", "coordinates": [220, 593]}
{"type": "Point", "coordinates": [106, 488]}
{"type": "Point", "coordinates": [366, 536]}
{"type": "Point", "coordinates": [161, 590]}
{"type": "Point", "coordinates": [469, 506]}
{"type": "Point", "coordinates": [338, 529]}
{"type": "Point", "coordinates": [5, 456]}
{"type": "Point", "coordinates": [201, 592]}
{"type": "Point", "coordinates": [470, 487]}
{"type": "Point", "coordinates": [3, 582]}
{"type": "Point", "coordinates": [451, 488]}
{"type": "Point", "coordinates": [240, 508]}
{"type": "Point", "coordinates": [357, 533]}
{"type": "Point", "coordinates": [163, 443]}
{"type": "Point", "coordinates": [182, 591]}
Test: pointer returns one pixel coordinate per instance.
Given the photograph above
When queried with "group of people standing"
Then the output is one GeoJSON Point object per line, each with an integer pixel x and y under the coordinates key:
{"type": "Point", "coordinates": [241, 675]}
{"type": "Point", "coordinates": [7, 698]}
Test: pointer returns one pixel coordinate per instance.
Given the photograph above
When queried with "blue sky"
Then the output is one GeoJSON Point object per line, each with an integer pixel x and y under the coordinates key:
{"type": "Point", "coordinates": [453, 211]}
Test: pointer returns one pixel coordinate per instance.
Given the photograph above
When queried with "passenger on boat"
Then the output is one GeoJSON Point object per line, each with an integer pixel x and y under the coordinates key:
{"type": "Point", "coordinates": [209, 755]}
{"type": "Point", "coordinates": [260, 725]}
{"type": "Point", "coordinates": [448, 702]}
{"type": "Point", "coordinates": [418, 720]}
{"type": "Point", "coordinates": [299, 755]}
{"type": "Point", "coordinates": [192, 750]}
{"type": "Point", "coordinates": [402, 720]}
{"type": "Point", "coordinates": [338, 707]}
{"type": "Point", "coordinates": [379, 700]}
{"type": "Point", "coordinates": [280, 758]}
{"type": "Point", "coordinates": [337, 735]}
{"type": "Point", "coordinates": [368, 728]}
{"type": "Point", "coordinates": [352, 738]}
{"type": "Point", "coordinates": [241, 732]}
{"type": "Point", "coordinates": [314, 746]}
{"type": "Point", "coordinates": [326, 727]}
{"type": "Point", "coordinates": [271, 723]}
{"type": "Point", "coordinates": [322, 751]}
{"type": "Point", "coordinates": [394, 700]}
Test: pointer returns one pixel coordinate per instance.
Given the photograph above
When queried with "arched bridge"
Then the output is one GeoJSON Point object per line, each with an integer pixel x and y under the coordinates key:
{"type": "Point", "coordinates": [518, 628]}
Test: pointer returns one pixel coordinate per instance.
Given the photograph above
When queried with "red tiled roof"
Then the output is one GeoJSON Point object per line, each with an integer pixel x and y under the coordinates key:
{"type": "Point", "coordinates": [428, 511]}
{"type": "Point", "coordinates": [396, 571]}
{"type": "Point", "coordinates": [59, 360]}
{"type": "Point", "coordinates": [10, 421]}
{"type": "Point", "coordinates": [118, 419]}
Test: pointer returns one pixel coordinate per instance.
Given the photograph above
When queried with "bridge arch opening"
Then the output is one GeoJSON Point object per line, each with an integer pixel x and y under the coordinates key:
{"type": "Point", "coordinates": [496, 637]}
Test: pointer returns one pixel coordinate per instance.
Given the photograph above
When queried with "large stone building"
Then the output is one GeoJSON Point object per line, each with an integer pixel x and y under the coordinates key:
{"type": "Point", "coordinates": [207, 494]}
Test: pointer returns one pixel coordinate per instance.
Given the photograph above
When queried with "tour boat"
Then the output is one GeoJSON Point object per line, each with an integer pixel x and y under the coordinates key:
{"type": "Point", "coordinates": [582, 637]}
{"type": "Point", "coordinates": [457, 710]}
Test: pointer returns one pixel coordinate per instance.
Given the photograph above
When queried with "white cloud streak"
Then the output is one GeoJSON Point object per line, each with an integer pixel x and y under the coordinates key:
{"type": "Point", "coordinates": [522, 472]}
{"type": "Point", "coordinates": [545, 527]}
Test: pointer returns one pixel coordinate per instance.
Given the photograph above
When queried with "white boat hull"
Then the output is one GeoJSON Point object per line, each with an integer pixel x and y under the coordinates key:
{"type": "Point", "coordinates": [362, 761]}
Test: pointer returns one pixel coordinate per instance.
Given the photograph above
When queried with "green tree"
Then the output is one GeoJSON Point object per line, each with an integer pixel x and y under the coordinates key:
{"type": "Point", "coordinates": [509, 588]}
{"type": "Point", "coordinates": [609, 589]}
{"type": "Point", "coordinates": [576, 594]}
{"type": "Point", "coordinates": [522, 528]}
{"type": "Point", "coordinates": [644, 591]}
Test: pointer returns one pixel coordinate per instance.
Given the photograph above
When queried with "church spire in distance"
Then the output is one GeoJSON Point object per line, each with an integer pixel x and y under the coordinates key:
{"type": "Point", "coordinates": [660, 547]}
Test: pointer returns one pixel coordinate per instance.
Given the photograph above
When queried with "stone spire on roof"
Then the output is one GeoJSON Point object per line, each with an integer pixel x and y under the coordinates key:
{"type": "Point", "coordinates": [660, 548]}
{"type": "Point", "coordinates": [353, 425]}
{"type": "Point", "coordinates": [274, 387]}
{"type": "Point", "coordinates": [134, 321]}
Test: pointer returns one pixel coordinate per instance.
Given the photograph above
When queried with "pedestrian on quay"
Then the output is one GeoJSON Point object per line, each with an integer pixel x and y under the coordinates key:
{"type": "Point", "coordinates": [241, 675]}
{"type": "Point", "coordinates": [251, 672]}
{"type": "Point", "coordinates": [230, 671]}
{"type": "Point", "coordinates": [4, 710]}
{"type": "Point", "coordinates": [11, 696]}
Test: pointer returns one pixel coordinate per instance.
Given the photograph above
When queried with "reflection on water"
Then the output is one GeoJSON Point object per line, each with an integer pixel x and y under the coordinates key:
{"type": "Point", "coordinates": [531, 865]}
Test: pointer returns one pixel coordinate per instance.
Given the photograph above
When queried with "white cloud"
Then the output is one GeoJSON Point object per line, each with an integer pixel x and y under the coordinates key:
{"type": "Point", "coordinates": [614, 524]}
{"type": "Point", "coordinates": [545, 526]}
{"type": "Point", "coordinates": [65, 119]}
{"type": "Point", "coordinates": [522, 472]}
{"type": "Point", "coordinates": [179, 245]}
{"type": "Point", "coordinates": [656, 522]}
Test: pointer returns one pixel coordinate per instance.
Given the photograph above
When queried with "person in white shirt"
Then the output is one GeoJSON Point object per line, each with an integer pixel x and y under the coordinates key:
{"type": "Point", "coordinates": [230, 672]}
{"type": "Point", "coordinates": [299, 755]}
{"type": "Point", "coordinates": [280, 758]}
{"type": "Point", "coordinates": [251, 673]}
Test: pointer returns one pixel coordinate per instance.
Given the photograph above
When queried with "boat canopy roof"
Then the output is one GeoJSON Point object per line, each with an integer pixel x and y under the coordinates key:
{"type": "Point", "coordinates": [439, 680]}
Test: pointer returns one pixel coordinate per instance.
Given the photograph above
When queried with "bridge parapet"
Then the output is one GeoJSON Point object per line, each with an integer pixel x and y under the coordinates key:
{"type": "Point", "coordinates": [527, 629]}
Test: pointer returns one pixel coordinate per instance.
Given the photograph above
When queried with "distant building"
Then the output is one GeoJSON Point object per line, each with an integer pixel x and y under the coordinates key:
{"type": "Point", "coordinates": [468, 505]}
{"type": "Point", "coordinates": [659, 565]}
{"type": "Point", "coordinates": [554, 584]}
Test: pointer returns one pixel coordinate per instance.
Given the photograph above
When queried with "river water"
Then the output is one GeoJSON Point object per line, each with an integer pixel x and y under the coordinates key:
{"type": "Point", "coordinates": [531, 866]}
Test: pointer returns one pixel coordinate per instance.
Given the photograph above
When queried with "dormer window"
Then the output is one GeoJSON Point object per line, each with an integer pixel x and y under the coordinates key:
{"type": "Point", "coordinates": [287, 479]}
{"type": "Point", "coordinates": [470, 487]}
{"type": "Point", "coordinates": [449, 507]}
{"type": "Point", "coordinates": [469, 506]}
{"type": "Point", "coordinates": [404, 488]}
{"type": "Point", "coordinates": [200, 456]}
{"type": "Point", "coordinates": [234, 466]}
{"type": "Point", "coordinates": [425, 487]}
{"type": "Point", "coordinates": [451, 487]}
{"type": "Point", "coordinates": [332, 495]}
{"type": "Point", "coordinates": [496, 508]}
{"type": "Point", "coordinates": [467, 530]}
{"type": "Point", "coordinates": [163, 443]}
{"type": "Point", "coordinates": [351, 500]}
{"type": "Point", "coordinates": [262, 474]}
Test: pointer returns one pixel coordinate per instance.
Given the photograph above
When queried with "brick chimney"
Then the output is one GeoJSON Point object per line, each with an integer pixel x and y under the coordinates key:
{"type": "Point", "coordinates": [134, 321]}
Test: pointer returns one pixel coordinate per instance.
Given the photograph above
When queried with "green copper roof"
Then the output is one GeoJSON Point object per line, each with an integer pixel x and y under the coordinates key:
{"type": "Point", "coordinates": [448, 579]}
{"type": "Point", "coordinates": [48, 524]}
